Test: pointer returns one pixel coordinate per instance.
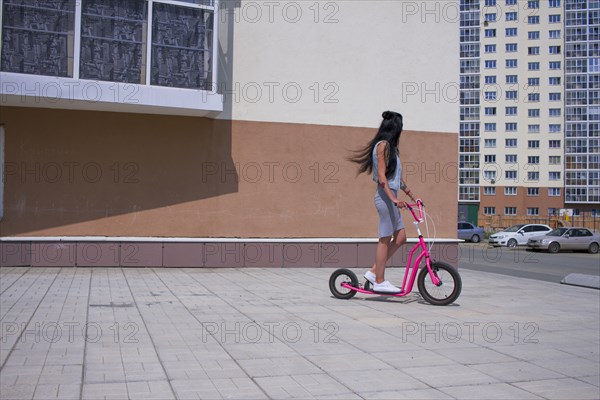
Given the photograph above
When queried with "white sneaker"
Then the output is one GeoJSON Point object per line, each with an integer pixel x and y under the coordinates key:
{"type": "Point", "coordinates": [370, 277]}
{"type": "Point", "coordinates": [386, 287]}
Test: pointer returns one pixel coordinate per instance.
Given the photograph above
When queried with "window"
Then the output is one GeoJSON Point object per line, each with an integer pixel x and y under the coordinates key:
{"type": "Point", "coordinates": [533, 35]}
{"type": "Point", "coordinates": [554, 160]}
{"type": "Point", "coordinates": [554, 112]}
{"type": "Point", "coordinates": [554, 144]}
{"type": "Point", "coordinates": [489, 127]}
{"type": "Point", "coordinates": [490, 64]}
{"type": "Point", "coordinates": [533, 144]}
{"type": "Point", "coordinates": [490, 79]}
{"type": "Point", "coordinates": [110, 42]}
{"type": "Point", "coordinates": [510, 190]}
{"type": "Point", "coordinates": [533, 176]}
{"type": "Point", "coordinates": [533, 19]}
{"type": "Point", "coordinates": [490, 95]}
{"type": "Point", "coordinates": [511, 63]}
{"type": "Point", "coordinates": [533, 66]}
{"type": "Point", "coordinates": [510, 79]}
{"type": "Point", "coordinates": [510, 175]}
{"type": "Point", "coordinates": [533, 159]}
{"type": "Point", "coordinates": [490, 3]}
{"type": "Point", "coordinates": [489, 158]}
{"type": "Point", "coordinates": [489, 210]}
{"type": "Point", "coordinates": [489, 190]}
{"type": "Point", "coordinates": [533, 4]}
{"type": "Point", "coordinates": [490, 48]}
{"type": "Point", "coordinates": [533, 50]}
{"type": "Point", "coordinates": [554, 128]}
{"type": "Point", "coordinates": [510, 158]}
{"type": "Point", "coordinates": [511, 32]}
{"type": "Point", "coordinates": [490, 17]}
{"type": "Point", "coordinates": [533, 97]}
{"type": "Point", "coordinates": [554, 34]}
{"type": "Point", "coordinates": [54, 26]}
{"type": "Point", "coordinates": [511, 110]}
{"type": "Point", "coordinates": [510, 210]}
{"type": "Point", "coordinates": [533, 81]}
{"type": "Point", "coordinates": [510, 126]}
{"type": "Point", "coordinates": [554, 18]}
{"type": "Point", "coordinates": [489, 33]}
{"type": "Point", "coordinates": [553, 192]}
{"type": "Point", "coordinates": [554, 3]}
{"type": "Point", "coordinates": [554, 176]}
{"type": "Point", "coordinates": [489, 143]}
{"type": "Point", "coordinates": [490, 111]}
{"type": "Point", "coordinates": [510, 142]}
{"type": "Point", "coordinates": [533, 191]}
{"type": "Point", "coordinates": [554, 49]}
{"type": "Point", "coordinates": [533, 211]}
{"type": "Point", "coordinates": [511, 16]}
{"type": "Point", "coordinates": [489, 175]}
{"type": "Point", "coordinates": [555, 80]}
{"type": "Point", "coordinates": [511, 47]}
{"type": "Point", "coordinates": [533, 113]}
{"type": "Point", "coordinates": [533, 128]}
{"type": "Point", "coordinates": [554, 64]}
{"type": "Point", "coordinates": [554, 96]}
{"type": "Point", "coordinates": [511, 95]}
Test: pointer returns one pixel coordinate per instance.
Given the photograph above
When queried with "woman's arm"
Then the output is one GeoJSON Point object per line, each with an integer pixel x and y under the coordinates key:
{"type": "Point", "coordinates": [381, 166]}
{"type": "Point", "coordinates": [406, 190]}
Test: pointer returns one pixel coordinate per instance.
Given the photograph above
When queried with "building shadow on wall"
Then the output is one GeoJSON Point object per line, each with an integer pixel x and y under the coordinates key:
{"type": "Point", "coordinates": [67, 167]}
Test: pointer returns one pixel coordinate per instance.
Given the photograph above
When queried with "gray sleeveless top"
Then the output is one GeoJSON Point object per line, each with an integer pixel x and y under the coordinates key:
{"type": "Point", "coordinates": [396, 181]}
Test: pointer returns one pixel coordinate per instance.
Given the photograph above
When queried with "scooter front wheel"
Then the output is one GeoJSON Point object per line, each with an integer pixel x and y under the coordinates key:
{"type": "Point", "coordinates": [448, 290]}
{"type": "Point", "coordinates": [340, 276]}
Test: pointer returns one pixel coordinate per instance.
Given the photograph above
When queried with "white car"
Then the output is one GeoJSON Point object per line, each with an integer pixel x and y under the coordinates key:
{"type": "Point", "coordinates": [518, 234]}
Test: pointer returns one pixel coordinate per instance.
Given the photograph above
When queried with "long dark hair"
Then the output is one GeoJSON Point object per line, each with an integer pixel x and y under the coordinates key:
{"type": "Point", "coordinates": [389, 130]}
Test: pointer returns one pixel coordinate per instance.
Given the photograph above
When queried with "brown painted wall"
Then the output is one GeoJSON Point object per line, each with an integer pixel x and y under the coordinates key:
{"type": "Point", "coordinates": [73, 172]}
{"type": "Point", "coordinates": [521, 200]}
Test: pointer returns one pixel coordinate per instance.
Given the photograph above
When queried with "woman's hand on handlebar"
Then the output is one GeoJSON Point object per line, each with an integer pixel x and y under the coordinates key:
{"type": "Point", "coordinates": [401, 204]}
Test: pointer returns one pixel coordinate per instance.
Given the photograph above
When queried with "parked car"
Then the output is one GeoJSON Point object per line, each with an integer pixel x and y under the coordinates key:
{"type": "Point", "coordinates": [518, 234]}
{"type": "Point", "coordinates": [566, 239]}
{"type": "Point", "coordinates": [470, 232]}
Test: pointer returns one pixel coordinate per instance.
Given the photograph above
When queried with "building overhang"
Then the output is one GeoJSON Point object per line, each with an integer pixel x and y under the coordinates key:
{"type": "Point", "coordinates": [25, 90]}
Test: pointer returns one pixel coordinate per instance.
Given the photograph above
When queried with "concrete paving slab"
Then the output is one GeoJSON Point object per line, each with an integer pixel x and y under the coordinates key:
{"type": "Point", "coordinates": [265, 333]}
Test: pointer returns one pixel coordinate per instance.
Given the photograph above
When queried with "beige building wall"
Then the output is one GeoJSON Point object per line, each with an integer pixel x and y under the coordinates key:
{"type": "Point", "coordinates": [342, 63]}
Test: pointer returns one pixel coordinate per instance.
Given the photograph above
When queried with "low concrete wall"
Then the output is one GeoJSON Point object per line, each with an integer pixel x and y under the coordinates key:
{"type": "Point", "coordinates": [210, 253]}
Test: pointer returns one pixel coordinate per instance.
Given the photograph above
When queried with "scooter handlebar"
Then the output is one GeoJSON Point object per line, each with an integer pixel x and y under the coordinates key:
{"type": "Point", "coordinates": [419, 204]}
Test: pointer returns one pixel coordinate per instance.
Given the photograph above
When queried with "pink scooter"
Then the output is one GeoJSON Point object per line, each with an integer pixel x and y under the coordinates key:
{"type": "Point", "coordinates": [439, 283]}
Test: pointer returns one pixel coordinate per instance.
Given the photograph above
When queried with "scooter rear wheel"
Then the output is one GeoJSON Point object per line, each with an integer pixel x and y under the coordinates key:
{"type": "Point", "coordinates": [340, 276]}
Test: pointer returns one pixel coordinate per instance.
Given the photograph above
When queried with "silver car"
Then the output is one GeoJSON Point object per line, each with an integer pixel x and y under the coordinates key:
{"type": "Point", "coordinates": [566, 239]}
{"type": "Point", "coordinates": [468, 231]}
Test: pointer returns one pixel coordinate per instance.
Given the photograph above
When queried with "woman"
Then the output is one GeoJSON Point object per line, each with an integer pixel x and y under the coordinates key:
{"type": "Point", "coordinates": [381, 157]}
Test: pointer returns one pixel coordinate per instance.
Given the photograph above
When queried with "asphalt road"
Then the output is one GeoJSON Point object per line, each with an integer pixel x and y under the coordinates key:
{"type": "Point", "coordinates": [527, 264]}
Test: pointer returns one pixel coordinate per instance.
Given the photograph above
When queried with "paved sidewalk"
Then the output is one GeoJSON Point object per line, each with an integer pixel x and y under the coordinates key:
{"type": "Point", "coordinates": [279, 334]}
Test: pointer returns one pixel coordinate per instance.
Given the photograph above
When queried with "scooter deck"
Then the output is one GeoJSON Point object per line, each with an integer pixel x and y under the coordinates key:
{"type": "Point", "coordinates": [361, 290]}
